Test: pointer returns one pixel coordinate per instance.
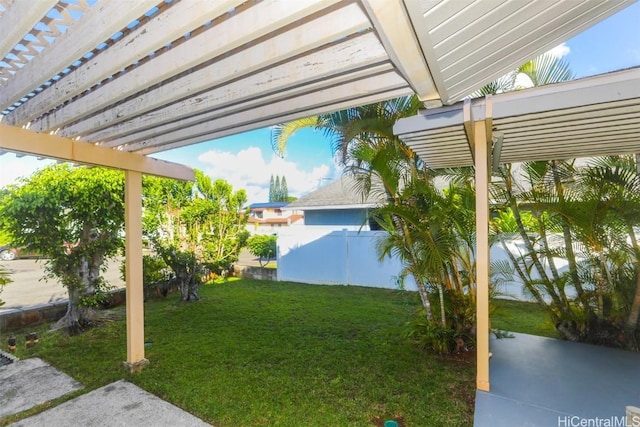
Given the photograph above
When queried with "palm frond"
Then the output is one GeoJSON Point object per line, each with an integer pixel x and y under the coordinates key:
{"type": "Point", "coordinates": [280, 134]}
{"type": "Point", "coordinates": [547, 69]}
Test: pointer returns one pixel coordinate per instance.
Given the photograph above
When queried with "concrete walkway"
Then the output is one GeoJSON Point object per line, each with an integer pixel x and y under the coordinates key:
{"type": "Point", "coordinates": [117, 404]}
{"type": "Point", "coordinates": [537, 381]}
{"type": "Point", "coordinates": [30, 382]}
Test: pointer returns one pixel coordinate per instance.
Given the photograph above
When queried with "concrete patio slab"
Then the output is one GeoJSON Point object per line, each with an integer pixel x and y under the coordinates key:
{"type": "Point", "coordinates": [117, 404]}
{"type": "Point", "coordinates": [537, 381]}
{"type": "Point", "coordinates": [30, 382]}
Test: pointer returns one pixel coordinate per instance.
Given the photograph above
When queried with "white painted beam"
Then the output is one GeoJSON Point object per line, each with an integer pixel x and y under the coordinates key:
{"type": "Point", "coordinates": [281, 118]}
{"type": "Point", "coordinates": [346, 91]}
{"type": "Point", "coordinates": [162, 29]}
{"type": "Point", "coordinates": [421, 29]}
{"type": "Point", "coordinates": [20, 140]}
{"type": "Point", "coordinates": [267, 100]}
{"type": "Point", "coordinates": [94, 27]}
{"type": "Point", "coordinates": [255, 22]}
{"type": "Point", "coordinates": [19, 19]}
{"type": "Point", "coordinates": [612, 87]}
{"type": "Point", "coordinates": [261, 62]}
{"type": "Point", "coordinates": [617, 89]}
{"type": "Point", "coordinates": [260, 89]}
{"type": "Point", "coordinates": [393, 26]}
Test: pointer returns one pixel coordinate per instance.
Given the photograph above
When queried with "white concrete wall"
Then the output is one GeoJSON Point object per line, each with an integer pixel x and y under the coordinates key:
{"type": "Point", "coordinates": [323, 255]}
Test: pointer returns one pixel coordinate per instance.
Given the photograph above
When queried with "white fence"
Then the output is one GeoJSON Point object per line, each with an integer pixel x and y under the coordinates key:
{"type": "Point", "coordinates": [325, 256]}
{"type": "Point", "coordinates": [330, 257]}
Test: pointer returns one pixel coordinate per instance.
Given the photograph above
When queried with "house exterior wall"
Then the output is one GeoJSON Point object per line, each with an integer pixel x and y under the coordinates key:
{"type": "Point", "coordinates": [337, 217]}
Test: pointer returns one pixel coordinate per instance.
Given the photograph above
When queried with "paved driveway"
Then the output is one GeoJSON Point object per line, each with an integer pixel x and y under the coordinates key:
{"type": "Point", "coordinates": [29, 288]}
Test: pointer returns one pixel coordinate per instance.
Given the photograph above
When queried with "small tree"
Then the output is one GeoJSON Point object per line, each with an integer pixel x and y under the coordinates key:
{"type": "Point", "coordinates": [195, 227]}
{"type": "Point", "coordinates": [73, 217]}
{"type": "Point", "coordinates": [272, 191]}
{"type": "Point", "coordinates": [277, 192]}
{"type": "Point", "coordinates": [263, 247]}
{"type": "Point", "coordinates": [284, 191]}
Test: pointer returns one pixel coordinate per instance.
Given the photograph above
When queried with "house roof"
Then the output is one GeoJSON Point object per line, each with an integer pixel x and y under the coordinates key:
{"type": "Point", "coordinates": [82, 75]}
{"type": "Point", "coordinates": [339, 194]}
{"type": "Point", "coordinates": [280, 220]}
{"type": "Point", "coordinates": [268, 205]}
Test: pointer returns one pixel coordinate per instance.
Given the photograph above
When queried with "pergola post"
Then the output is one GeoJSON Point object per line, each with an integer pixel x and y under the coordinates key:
{"type": "Point", "coordinates": [481, 149]}
{"type": "Point", "coordinates": [133, 251]}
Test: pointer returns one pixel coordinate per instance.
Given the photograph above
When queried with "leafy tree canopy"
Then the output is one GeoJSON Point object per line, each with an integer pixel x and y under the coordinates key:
{"type": "Point", "coordinates": [197, 227]}
{"type": "Point", "coordinates": [74, 217]}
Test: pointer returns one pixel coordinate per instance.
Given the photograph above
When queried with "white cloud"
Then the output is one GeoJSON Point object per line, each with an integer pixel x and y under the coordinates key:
{"type": "Point", "coordinates": [560, 50]}
{"type": "Point", "coordinates": [248, 169]}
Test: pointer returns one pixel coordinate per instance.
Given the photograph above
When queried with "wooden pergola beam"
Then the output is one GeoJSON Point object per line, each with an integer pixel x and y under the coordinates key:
{"type": "Point", "coordinates": [24, 141]}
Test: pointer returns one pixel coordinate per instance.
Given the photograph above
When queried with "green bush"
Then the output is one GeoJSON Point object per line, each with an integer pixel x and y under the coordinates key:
{"type": "Point", "coordinates": [458, 334]}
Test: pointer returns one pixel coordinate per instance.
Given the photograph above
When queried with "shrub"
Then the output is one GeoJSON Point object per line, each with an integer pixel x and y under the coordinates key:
{"type": "Point", "coordinates": [262, 246]}
{"type": "Point", "coordinates": [458, 334]}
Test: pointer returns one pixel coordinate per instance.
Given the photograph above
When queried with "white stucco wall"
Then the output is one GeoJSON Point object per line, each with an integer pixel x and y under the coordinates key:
{"type": "Point", "coordinates": [323, 255]}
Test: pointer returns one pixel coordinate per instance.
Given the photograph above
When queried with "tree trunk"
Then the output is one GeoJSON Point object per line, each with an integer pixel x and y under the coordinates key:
{"type": "Point", "coordinates": [71, 321]}
{"type": "Point", "coordinates": [525, 280]}
{"type": "Point", "coordinates": [424, 297]}
{"type": "Point", "coordinates": [443, 318]}
{"type": "Point", "coordinates": [631, 325]}
{"type": "Point", "coordinates": [531, 252]}
{"type": "Point", "coordinates": [568, 240]}
{"type": "Point", "coordinates": [81, 283]}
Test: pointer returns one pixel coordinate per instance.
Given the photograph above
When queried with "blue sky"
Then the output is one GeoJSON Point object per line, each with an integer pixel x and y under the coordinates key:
{"type": "Point", "coordinates": [247, 160]}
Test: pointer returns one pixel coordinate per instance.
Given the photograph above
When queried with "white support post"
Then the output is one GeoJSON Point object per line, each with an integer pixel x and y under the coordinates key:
{"type": "Point", "coordinates": [133, 251]}
{"type": "Point", "coordinates": [481, 148]}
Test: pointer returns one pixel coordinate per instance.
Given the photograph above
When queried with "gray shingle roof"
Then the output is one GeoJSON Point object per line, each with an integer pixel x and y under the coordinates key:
{"type": "Point", "coordinates": [340, 194]}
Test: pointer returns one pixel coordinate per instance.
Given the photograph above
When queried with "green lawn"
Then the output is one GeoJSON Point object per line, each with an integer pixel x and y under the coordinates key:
{"type": "Point", "coordinates": [254, 353]}
{"type": "Point", "coordinates": [524, 317]}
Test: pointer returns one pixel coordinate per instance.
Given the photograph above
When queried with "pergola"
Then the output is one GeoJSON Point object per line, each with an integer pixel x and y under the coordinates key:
{"type": "Point", "coordinates": [109, 82]}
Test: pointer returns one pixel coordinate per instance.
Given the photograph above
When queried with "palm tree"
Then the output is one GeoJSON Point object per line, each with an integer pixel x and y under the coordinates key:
{"type": "Point", "coordinates": [606, 223]}
{"type": "Point", "coordinates": [584, 206]}
{"type": "Point", "coordinates": [418, 218]}
{"type": "Point", "coordinates": [429, 230]}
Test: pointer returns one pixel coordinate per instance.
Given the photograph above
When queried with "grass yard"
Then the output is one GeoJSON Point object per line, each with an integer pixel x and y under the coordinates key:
{"type": "Point", "coordinates": [254, 353]}
{"type": "Point", "coordinates": [524, 317]}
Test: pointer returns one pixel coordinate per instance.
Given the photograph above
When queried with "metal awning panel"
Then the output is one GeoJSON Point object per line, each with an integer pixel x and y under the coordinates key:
{"type": "Point", "coordinates": [471, 43]}
{"type": "Point", "coordinates": [594, 116]}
